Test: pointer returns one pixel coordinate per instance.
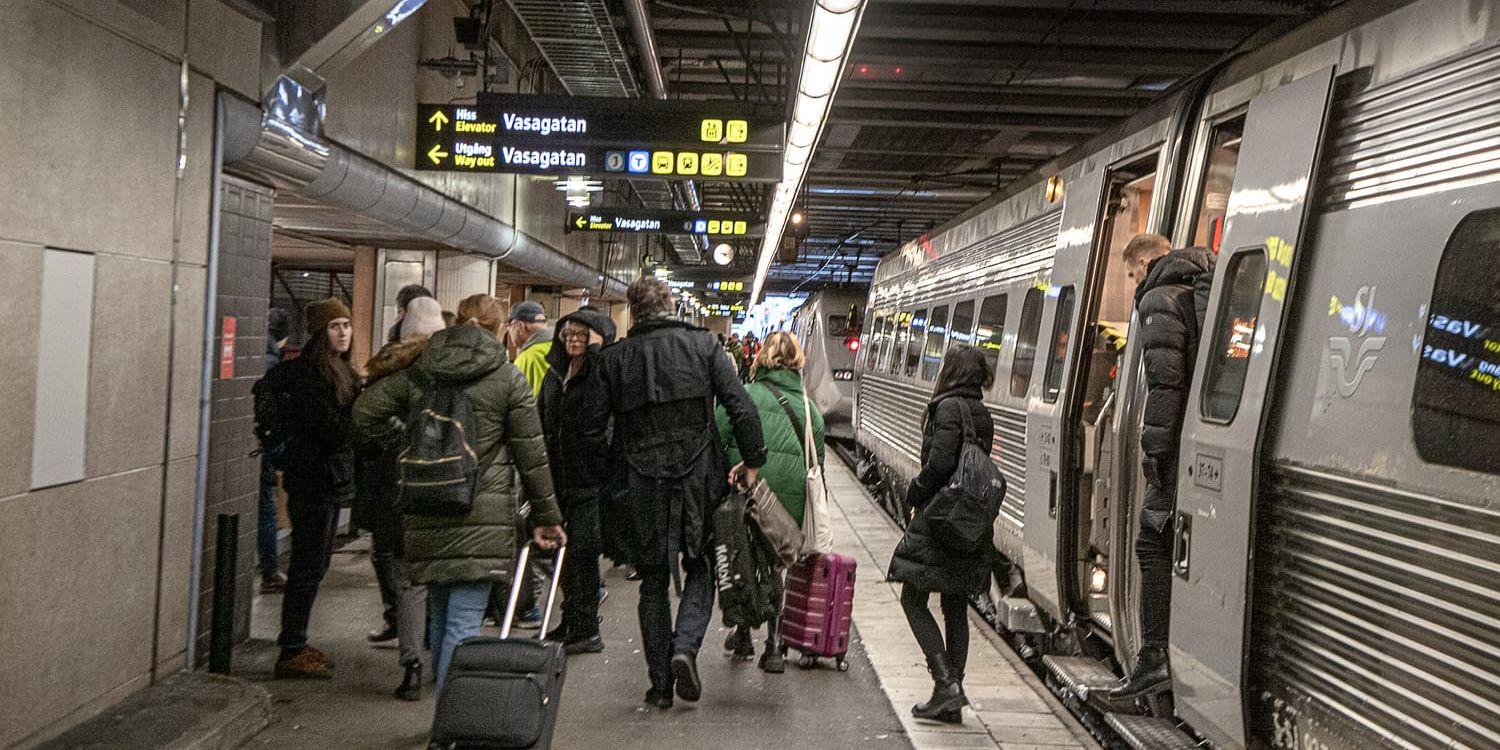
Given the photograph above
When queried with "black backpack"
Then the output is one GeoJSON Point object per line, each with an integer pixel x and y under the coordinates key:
{"type": "Point", "coordinates": [744, 566]}
{"type": "Point", "coordinates": [272, 406]}
{"type": "Point", "coordinates": [962, 514]}
{"type": "Point", "coordinates": [438, 469]}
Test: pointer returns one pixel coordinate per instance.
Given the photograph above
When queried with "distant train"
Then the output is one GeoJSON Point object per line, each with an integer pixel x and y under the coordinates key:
{"type": "Point", "coordinates": [1337, 537]}
{"type": "Point", "coordinates": [829, 325]}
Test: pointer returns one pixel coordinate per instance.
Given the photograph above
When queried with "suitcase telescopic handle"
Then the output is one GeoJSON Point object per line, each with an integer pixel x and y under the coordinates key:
{"type": "Point", "coordinates": [515, 591]}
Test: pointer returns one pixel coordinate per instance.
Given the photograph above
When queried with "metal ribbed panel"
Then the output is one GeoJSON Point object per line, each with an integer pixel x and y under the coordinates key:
{"type": "Point", "coordinates": [1016, 253]}
{"type": "Point", "coordinates": [1010, 454]}
{"type": "Point", "coordinates": [891, 412]}
{"type": "Point", "coordinates": [1377, 613]}
{"type": "Point", "coordinates": [1437, 129]}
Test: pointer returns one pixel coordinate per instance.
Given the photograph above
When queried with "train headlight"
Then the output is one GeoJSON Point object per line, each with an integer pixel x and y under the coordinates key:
{"type": "Point", "coordinates": [1098, 580]}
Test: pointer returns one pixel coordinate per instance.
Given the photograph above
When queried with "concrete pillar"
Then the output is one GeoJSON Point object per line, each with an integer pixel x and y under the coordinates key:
{"type": "Point", "coordinates": [460, 275]}
{"type": "Point", "coordinates": [364, 307]}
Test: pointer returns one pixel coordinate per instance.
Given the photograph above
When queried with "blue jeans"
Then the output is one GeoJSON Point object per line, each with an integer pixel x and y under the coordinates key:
{"type": "Point", "coordinates": [265, 539]}
{"type": "Point", "coordinates": [455, 611]}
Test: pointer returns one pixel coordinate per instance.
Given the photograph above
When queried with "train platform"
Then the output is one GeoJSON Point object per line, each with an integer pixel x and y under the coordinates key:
{"type": "Point", "coordinates": [866, 707]}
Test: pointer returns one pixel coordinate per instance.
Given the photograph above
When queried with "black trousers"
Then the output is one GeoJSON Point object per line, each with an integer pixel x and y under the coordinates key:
{"type": "Point", "coordinates": [1153, 549]}
{"type": "Point", "coordinates": [580, 573]}
{"type": "Point", "coordinates": [955, 621]}
{"type": "Point", "coordinates": [314, 522]}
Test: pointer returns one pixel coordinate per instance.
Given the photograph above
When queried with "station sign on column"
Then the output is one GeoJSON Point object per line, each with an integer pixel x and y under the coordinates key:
{"type": "Point", "coordinates": [636, 138]}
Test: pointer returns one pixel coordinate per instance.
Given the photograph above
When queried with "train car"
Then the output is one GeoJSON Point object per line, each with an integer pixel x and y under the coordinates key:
{"type": "Point", "coordinates": [829, 324]}
{"type": "Point", "coordinates": [1337, 535]}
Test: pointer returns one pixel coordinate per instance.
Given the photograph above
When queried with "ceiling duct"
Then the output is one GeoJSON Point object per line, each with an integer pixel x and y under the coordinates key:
{"type": "Point", "coordinates": [264, 149]}
{"type": "Point", "coordinates": [579, 43]}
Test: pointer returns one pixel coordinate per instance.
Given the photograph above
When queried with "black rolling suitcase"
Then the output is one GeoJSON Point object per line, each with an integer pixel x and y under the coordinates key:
{"type": "Point", "coordinates": [504, 692]}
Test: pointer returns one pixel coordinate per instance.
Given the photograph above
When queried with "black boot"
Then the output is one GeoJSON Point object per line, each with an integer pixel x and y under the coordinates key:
{"type": "Point", "coordinates": [411, 684]}
{"type": "Point", "coordinates": [773, 660]}
{"type": "Point", "coordinates": [740, 644]}
{"type": "Point", "coordinates": [947, 701]}
{"type": "Point", "coordinates": [1152, 674]}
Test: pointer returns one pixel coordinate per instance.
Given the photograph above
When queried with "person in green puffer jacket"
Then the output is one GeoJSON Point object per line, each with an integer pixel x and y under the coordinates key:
{"type": "Point", "coordinates": [777, 368]}
{"type": "Point", "coordinates": [459, 559]}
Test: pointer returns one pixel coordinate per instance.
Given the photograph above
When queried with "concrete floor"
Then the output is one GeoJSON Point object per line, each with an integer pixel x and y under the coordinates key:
{"type": "Point", "coordinates": [742, 707]}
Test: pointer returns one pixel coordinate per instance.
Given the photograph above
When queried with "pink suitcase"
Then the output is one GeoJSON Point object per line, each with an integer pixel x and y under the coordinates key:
{"type": "Point", "coordinates": [819, 608]}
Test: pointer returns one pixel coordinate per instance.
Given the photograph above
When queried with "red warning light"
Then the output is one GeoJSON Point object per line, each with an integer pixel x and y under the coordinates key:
{"type": "Point", "coordinates": [898, 70]}
{"type": "Point", "coordinates": [864, 69]}
{"type": "Point", "coordinates": [852, 343]}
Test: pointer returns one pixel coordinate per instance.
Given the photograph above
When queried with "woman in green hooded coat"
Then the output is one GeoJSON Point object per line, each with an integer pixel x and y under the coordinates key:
{"type": "Point", "coordinates": [776, 386]}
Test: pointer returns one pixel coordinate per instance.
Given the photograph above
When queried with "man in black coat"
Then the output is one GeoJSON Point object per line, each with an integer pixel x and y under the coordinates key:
{"type": "Point", "coordinates": [1171, 298]}
{"type": "Point", "coordinates": [663, 382]}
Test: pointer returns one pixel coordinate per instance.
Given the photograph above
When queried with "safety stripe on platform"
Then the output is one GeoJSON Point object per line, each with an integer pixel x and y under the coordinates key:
{"type": "Point", "coordinates": [1011, 709]}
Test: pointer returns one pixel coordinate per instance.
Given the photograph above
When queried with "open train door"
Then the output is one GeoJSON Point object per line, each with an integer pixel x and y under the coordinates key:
{"type": "Point", "coordinates": [1228, 404]}
{"type": "Point", "coordinates": [1046, 400]}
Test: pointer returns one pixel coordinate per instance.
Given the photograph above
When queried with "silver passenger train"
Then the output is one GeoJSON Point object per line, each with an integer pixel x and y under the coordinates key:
{"type": "Point", "coordinates": [1337, 540]}
{"type": "Point", "coordinates": [828, 325]}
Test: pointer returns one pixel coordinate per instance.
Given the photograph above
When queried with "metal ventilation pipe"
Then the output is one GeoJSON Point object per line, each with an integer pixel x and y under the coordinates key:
{"type": "Point", "coordinates": [267, 150]}
{"type": "Point", "coordinates": [645, 42]}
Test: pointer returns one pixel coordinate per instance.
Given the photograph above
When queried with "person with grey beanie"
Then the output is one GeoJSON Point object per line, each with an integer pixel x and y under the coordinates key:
{"type": "Point", "coordinates": [376, 509]}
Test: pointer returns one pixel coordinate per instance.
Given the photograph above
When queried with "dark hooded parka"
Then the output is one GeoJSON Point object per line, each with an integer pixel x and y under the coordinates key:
{"type": "Point", "coordinates": [1170, 304]}
{"type": "Point", "coordinates": [664, 380]}
{"type": "Point", "coordinates": [920, 559]}
{"type": "Point", "coordinates": [575, 414]}
{"type": "Point", "coordinates": [508, 438]}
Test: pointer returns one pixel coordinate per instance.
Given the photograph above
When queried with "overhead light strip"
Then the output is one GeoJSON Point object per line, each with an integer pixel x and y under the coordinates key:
{"type": "Point", "coordinates": [830, 36]}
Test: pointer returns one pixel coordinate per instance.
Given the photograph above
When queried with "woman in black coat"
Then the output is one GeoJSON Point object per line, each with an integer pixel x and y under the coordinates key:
{"type": "Point", "coordinates": [574, 408]}
{"type": "Point", "coordinates": [921, 562]}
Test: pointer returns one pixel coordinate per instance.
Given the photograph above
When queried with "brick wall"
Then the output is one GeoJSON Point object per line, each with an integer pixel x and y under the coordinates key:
{"type": "Point", "coordinates": [233, 475]}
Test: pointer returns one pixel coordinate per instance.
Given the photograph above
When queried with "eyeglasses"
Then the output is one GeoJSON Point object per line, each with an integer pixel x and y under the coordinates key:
{"type": "Point", "coordinates": [575, 333]}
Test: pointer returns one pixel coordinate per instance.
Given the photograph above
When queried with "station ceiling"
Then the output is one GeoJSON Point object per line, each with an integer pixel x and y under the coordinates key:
{"type": "Point", "coordinates": [942, 103]}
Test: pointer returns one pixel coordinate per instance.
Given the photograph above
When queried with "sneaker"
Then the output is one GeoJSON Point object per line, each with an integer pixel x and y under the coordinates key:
{"type": "Point", "coordinates": [593, 644]}
{"type": "Point", "coordinates": [384, 635]}
{"type": "Point", "coordinates": [558, 634]}
{"type": "Point", "coordinates": [740, 644]}
{"type": "Point", "coordinates": [304, 664]}
{"type": "Point", "coordinates": [631, 574]}
{"type": "Point", "coordinates": [685, 675]}
{"type": "Point", "coordinates": [274, 583]}
{"type": "Point", "coordinates": [531, 619]}
{"type": "Point", "coordinates": [603, 594]}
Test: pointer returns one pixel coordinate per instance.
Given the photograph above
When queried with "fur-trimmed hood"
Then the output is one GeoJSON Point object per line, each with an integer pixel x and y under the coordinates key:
{"type": "Point", "coordinates": [393, 358]}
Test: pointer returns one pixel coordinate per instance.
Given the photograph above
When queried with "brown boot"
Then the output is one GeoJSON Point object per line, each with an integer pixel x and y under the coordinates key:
{"type": "Point", "coordinates": [304, 664]}
{"type": "Point", "coordinates": [323, 655]}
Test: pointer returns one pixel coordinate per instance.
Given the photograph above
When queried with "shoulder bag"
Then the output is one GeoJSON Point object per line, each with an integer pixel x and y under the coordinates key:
{"type": "Point", "coordinates": [962, 514]}
{"type": "Point", "coordinates": [817, 527]}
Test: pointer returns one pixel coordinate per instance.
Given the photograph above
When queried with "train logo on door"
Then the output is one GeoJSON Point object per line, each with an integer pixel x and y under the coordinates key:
{"type": "Point", "coordinates": [1350, 364]}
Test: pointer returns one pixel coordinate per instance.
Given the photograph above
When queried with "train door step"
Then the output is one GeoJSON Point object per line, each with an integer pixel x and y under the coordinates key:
{"type": "Point", "coordinates": [1019, 615]}
{"type": "Point", "coordinates": [1081, 675]}
{"type": "Point", "coordinates": [1150, 732]}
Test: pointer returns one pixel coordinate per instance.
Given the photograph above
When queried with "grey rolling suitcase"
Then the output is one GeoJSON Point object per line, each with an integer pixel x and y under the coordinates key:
{"type": "Point", "coordinates": [504, 692]}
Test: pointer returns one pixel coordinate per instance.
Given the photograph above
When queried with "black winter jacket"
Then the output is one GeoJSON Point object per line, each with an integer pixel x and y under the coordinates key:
{"type": "Point", "coordinates": [1170, 304]}
{"type": "Point", "coordinates": [318, 463]}
{"type": "Point", "coordinates": [663, 381]}
{"type": "Point", "coordinates": [920, 560]}
{"type": "Point", "coordinates": [575, 414]}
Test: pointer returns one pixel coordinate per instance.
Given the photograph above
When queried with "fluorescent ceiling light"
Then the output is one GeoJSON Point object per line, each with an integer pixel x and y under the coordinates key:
{"type": "Point", "coordinates": [830, 36]}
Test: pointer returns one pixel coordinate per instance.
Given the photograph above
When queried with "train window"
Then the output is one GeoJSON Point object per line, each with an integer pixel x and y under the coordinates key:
{"type": "Point", "coordinates": [962, 328]}
{"type": "Point", "coordinates": [937, 331]}
{"type": "Point", "coordinates": [876, 343]}
{"type": "Point", "coordinates": [992, 328]}
{"type": "Point", "coordinates": [898, 348]}
{"type": "Point", "coordinates": [914, 346]}
{"type": "Point", "coordinates": [1062, 327]}
{"type": "Point", "coordinates": [1234, 337]}
{"type": "Point", "coordinates": [1218, 177]}
{"type": "Point", "coordinates": [1456, 399]}
{"type": "Point", "coordinates": [1025, 359]}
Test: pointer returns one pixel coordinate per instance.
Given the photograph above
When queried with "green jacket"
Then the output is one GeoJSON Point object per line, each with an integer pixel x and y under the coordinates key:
{"type": "Point", "coordinates": [785, 470]}
{"type": "Point", "coordinates": [508, 437]}
{"type": "Point", "coordinates": [532, 360]}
